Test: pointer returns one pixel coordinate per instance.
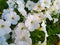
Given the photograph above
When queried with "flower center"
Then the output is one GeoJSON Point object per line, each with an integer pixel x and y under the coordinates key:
{"type": "Point", "coordinates": [2, 26]}
{"type": "Point", "coordinates": [30, 5]}
{"type": "Point", "coordinates": [38, 6]}
{"type": "Point", "coordinates": [22, 28]}
{"type": "Point", "coordinates": [12, 18]}
{"type": "Point", "coordinates": [39, 16]}
{"type": "Point", "coordinates": [32, 21]}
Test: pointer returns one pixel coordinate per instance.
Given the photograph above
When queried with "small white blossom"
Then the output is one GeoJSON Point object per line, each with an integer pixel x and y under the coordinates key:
{"type": "Point", "coordinates": [4, 27]}
{"type": "Point", "coordinates": [45, 3]}
{"type": "Point", "coordinates": [32, 22]}
{"type": "Point", "coordinates": [10, 16]}
{"type": "Point", "coordinates": [30, 5]}
{"type": "Point", "coordinates": [38, 7]}
{"type": "Point", "coordinates": [11, 4]}
{"type": "Point", "coordinates": [22, 37]}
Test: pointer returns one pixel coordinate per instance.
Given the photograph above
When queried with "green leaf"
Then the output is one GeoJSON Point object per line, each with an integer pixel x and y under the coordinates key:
{"type": "Point", "coordinates": [37, 36]}
{"type": "Point", "coordinates": [52, 40]}
{"type": "Point", "coordinates": [53, 28]}
{"type": "Point", "coordinates": [3, 5]}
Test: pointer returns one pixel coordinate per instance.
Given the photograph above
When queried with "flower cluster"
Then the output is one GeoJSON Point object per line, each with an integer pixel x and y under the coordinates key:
{"type": "Point", "coordinates": [24, 21]}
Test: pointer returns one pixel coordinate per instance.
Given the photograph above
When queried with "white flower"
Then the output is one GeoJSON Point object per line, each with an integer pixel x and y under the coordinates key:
{"type": "Point", "coordinates": [45, 3]}
{"type": "Point", "coordinates": [4, 27]}
{"type": "Point", "coordinates": [32, 22]}
{"type": "Point", "coordinates": [19, 28]}
{"type": "Point", "coordinates": [30, 5]}
{"type": "Point", "coordinates": [10, 16]}
{"type": "Point", "coordinates": [11, 4]}
{"type": "Point", "coordinates": [38, 7]}
{"type": "Point", "coordinates": [22, 37]}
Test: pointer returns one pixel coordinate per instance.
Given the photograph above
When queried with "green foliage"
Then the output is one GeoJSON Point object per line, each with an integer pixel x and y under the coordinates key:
{"type": "Point", "coordinates": [53, 28]}
{"type": "Point", "coordinates": [52, 40]}
{"type": "Point", "coordinates": [3, 5]}
{"type": "Point", "coordinates": [37, 36]}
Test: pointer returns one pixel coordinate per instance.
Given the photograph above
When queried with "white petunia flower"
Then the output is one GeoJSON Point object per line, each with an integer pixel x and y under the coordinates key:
{"type": "Point", "coordinates": [10, 16]}
{"type": "Point", "coordinates": [4, 27]}
{"type": "Point", "coordinates": [32, 22]}
{"type": "Point", "coordinates": [11, 4]}
{"type": "Point", "coordinates": [22, 37]}
{"type": "Point", "coordinates": [30, 5]}
{"type": "Point", "coordinates": [38, 7]}
{"type": "Point", "coordinates": [45, 3]}
{"type": "Point", "coordinates": [19, 28]}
